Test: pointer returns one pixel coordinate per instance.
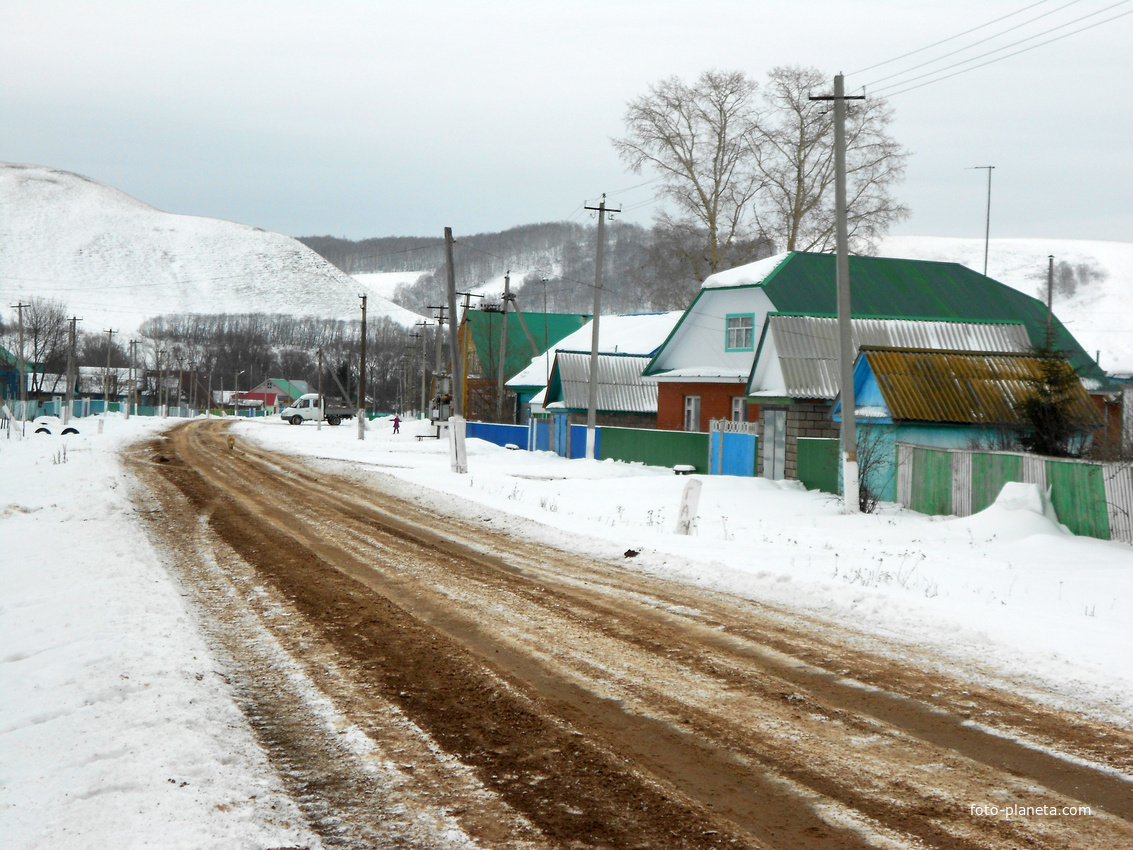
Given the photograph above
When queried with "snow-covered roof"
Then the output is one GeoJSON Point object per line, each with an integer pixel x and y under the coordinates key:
{"type": "Point", "coordinates": [749, 274]}
{"type": "Point", "coordinates": [631, 333]}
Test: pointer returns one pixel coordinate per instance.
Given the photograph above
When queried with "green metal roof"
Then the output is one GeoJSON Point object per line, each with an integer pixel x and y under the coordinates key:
{"type": "Point", "coordinates": [294, 389]}
{"type": "Point", "coordinates": [11, 359]}
{"type": "Point", "coordinates": [883, 287]}
{"type": "Point", "coordinates": [546, 329]}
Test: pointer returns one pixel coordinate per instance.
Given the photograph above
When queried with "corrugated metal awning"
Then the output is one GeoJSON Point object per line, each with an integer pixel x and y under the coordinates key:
{"type": "Point", "coordinates": [620, 386]}
{"type": "Point", "coordinates": [807, 346]}
{"type": "Point", "coordinates": [963, 387]}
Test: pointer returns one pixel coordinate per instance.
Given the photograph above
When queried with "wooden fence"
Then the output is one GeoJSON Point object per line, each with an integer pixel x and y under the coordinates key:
{"type": "Point", "coordinates": [1091, 498]}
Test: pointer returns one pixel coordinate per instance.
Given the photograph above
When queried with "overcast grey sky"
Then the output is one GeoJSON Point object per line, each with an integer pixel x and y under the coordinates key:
{"type": "Point", "coordinates": [379, 118]}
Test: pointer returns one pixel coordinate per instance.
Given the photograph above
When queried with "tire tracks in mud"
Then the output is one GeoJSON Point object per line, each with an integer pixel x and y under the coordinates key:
{"type": "Point", "coordinates": [566, 702]}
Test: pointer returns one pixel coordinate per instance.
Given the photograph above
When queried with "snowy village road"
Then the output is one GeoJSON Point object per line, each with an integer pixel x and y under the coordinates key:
{"type": "Point", "coordinates": [417, 679]}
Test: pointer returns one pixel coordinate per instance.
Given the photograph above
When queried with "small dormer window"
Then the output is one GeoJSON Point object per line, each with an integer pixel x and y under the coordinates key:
{"type": "Point", "coordinates": [740, 332]}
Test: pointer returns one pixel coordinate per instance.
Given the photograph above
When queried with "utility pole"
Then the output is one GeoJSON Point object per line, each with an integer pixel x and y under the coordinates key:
{"type": "Point", "coordinates": [465, 346]}
{"type": "Point", "coordinates": [987, 222]}
{"type": "Point", "coordinates": [19, 308]}
{"type": "Point", "coordinates": [70, 396]}
{"type": "Point", "coordinates": [362, 378]}
{"type": "Point", "coordinates": [503, 349]}
{"type": "Point", "coordinates": [106, 384]}
{"type": "Point", "coordinates": [134, 373]}
{"type": "Point", "coordinates": [423, 325]}
{"type": "Point", "coordinates": [161, 383]}
{"type": "Point", "coordinates": [1050, 302]}
{"type": "Point", "coordinates": [592, 393]}
{"type": "Point", "coordinates": [454, 343]}
{"type": "Point", "coordinates": [457, 455]}
{"type": "Point", "coordinates": [319, 421]}
{"type": "Point", "coordinates": [845, 327]}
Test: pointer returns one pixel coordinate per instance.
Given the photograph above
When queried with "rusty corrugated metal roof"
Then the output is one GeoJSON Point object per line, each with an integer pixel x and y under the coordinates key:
{"type": "Point", "coordinates": [620, 387]}
{"type": "Point", "coordinates": [961, 386]}
{"type": "Point", "coordinates": [807, 346]}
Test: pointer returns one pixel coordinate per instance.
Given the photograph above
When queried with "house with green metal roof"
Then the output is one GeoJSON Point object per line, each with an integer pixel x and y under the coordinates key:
{"type": "Point", "coordinates": [482, 338]}
{"type": "Point", "coordinates": [704, 368]}
{"type": "Point", "coordinates": [9, 374]}
{"type": "Point", "coordinates": [285, 391]}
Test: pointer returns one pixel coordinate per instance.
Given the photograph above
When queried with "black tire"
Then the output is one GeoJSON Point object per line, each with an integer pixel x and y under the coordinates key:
{"type": "Point", "coordinates": [42, 430]}
{"type": "Point", "coordinates": [70, 431]}
{"type": "Point", "coordinates": [333, 420]}
{"type": "Point", "coordinates": [296, 419]}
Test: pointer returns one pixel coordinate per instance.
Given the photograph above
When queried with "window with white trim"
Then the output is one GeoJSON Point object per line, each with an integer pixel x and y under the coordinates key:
{"type": "Point", "coordinates": [740, 332]}
{"type": "Point", "coordinates": [739, 410]}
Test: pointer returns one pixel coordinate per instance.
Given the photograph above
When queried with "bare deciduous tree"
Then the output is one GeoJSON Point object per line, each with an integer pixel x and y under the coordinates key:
{"type": "Point", "coordinates": [697, 138]}
{"type": "Point", "coordinates": [793, 148]}
{"type": "Point", "coordinates": [45, 341]}
{"type": "Point", "coordinates": [744, 170]}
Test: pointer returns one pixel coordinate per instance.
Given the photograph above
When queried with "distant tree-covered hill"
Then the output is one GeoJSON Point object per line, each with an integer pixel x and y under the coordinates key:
{"type": "Point", "coordinates": [554, 259]}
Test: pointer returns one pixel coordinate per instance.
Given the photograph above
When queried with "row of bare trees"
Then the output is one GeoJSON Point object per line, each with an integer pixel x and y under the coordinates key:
{"type": "Point", "coordinates": [223, 352]}
{"type": "Point", "coordinates": [742, 165]}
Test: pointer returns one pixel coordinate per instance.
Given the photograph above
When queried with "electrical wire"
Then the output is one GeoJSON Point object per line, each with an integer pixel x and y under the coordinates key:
{"type": "Point", "coordinates": [1001, 58]}
{"type": "Point", "coordinates": [973, 44]}
{"type": "Point", "coordinates": [903, 85]}
{"type": "Point", "coordinates": [946, 40]}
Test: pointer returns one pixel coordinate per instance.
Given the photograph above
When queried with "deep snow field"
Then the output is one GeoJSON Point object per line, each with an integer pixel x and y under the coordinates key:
{"type": "Point", "coordinates": [117, 728]}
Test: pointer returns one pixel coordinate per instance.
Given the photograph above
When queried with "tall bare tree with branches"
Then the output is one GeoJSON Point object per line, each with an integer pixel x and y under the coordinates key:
{"type": "Point", "coordinates": [793, 150]}
{"type": "Point", "coordinates": [745, 168]}
{"type": "Point", "coordinates": [696, 137]}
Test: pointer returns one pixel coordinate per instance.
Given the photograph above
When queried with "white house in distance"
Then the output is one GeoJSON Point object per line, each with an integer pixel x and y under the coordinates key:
{"type": "Point", "coordinates": [623, 341]}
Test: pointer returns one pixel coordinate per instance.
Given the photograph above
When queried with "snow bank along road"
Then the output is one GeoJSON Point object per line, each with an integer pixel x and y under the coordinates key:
{"type": "Point", "coordinates": [419, 680]}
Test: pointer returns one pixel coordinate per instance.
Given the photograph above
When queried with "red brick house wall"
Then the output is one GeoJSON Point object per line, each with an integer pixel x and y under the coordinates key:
{"type": "Point", "coordinates": [715, 403]}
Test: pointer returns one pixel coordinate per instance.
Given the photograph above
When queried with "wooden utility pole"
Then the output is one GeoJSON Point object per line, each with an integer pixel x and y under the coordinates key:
{"type": "Point", "coordinates": [134, 374]}
{"type": "Point", "coordinates": [454, 342]}
{"type": "Point", "coordinates": [362, 378]}
{"type": "Point", "coordinates": [503, 349]}
{"type": "Point", "coordinates": [106, 384]}
{"type": "Point", "coordinates": [842, 280]}
{"type": "Point", "coordinates": [423, 325]}
{"type": "Point", "coordinates": [592, 390]}
{"type": "Point", "coordinates": [19, 308]}
{"type": "Point", "coordinates": [1050, 301]}
{"type": "Point", "coordinates": [70, 395]}
{"type": "Point", "coordinates": [161, 383]}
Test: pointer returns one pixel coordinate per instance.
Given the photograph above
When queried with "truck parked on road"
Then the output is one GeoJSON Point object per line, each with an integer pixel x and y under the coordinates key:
{"type": "Point", "coordinates": [307, 409]}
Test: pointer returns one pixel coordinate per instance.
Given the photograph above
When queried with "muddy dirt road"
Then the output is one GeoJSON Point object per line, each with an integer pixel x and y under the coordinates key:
{"type": "Point", "coordinates": [419, 680]}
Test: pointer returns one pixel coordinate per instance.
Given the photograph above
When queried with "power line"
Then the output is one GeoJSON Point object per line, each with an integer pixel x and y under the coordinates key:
{"type": "Point", "coordinates": [974, 44]}
{"type": "Point", "coordinates": [899, 84]}
{"type": "Point", "coordinates": [1001, 58]}
{"type": "Point", "coordinates": [946, 40]}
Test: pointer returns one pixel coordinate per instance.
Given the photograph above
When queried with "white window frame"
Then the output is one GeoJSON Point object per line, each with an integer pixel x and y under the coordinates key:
{"type": "Point", "coordinates": [692, 413]}
{"type": "Point", "coordinates": [739, 409]}
{"type": "Point", "coordinates": [739, 332]}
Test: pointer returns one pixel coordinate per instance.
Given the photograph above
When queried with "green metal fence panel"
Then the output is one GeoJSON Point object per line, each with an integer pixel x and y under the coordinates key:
{"type": "Point", "coordinates": [1077, 491]}
{"type": "Point", "coordinates": [989, 473]}
{"type": "Point", "coordinates": [656, 448]}
{"type": "Point", "coordinates": [932, 482]}
{"type": "Point", "coordinates": [818, 463]}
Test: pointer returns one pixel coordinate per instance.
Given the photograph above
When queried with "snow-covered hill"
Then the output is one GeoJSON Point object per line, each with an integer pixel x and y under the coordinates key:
{"type": "Point", "coordinates": [1099, 313]}
{"type": "Point", "coordinates": [115, 261]}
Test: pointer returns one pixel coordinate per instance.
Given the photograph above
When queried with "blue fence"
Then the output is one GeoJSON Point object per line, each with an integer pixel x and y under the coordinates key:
{"type": "Point", "coordinates": [500, 435]}
{"type": "Point", "coordinates": [733, 454]}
